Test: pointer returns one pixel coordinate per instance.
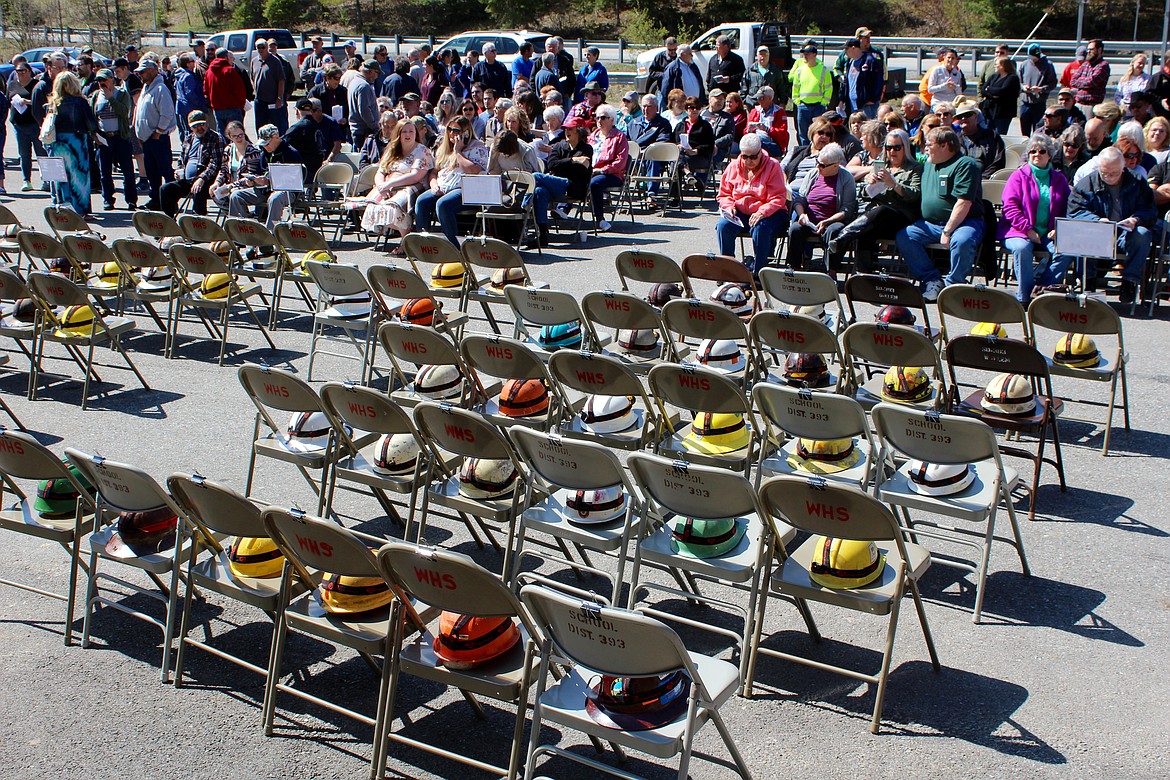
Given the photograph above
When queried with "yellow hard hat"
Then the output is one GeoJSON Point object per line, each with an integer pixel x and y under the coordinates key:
{"type": "Point", "coordinates": [255, 557]}
{"type": "Point", "coordinates": [216, 286]}
{"type": "Point", "coordinates": [824, 456]}
{"type": "Point", "coordinates": [989, 329]}
{"type": "Point", "coordinates": [845, 563]}
{"type": "Point", "coordinates": [447, 275]}
{"type": "Point", "coordinates": [313, 256]}
{"type": "Point", "coordinates": [717, 434]}
{"type": "Point", "coordinates": [1076, 350]}
{"type": "Point", "coordinates": [76, 321]}
{"type": "Point", "coordinates": [110, 275]}
{"type": "Point", "coordinates": [343, 595]}
{"type": "Point", "coordinates": [906, 385]}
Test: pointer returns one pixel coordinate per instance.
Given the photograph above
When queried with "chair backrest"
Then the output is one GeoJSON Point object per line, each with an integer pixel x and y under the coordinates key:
{"type": "Point", "coordinates": [571, 464]}
{"type": "Point", "coordinates": [606, 640]}
{"type": "Point", "coordinates": [334, 174]}
{"type": "Point", "coordinates": [1073, 314]}
{"type": "Point", "coordinates": [249, 232]}
{"type": "Point", "coordinates": [502, 357]}
{"type": "Point", "coordinates": [202, 230]}
{"type": "Point", "coordinates": [988, 353]}
{"type": "Point", "coordinates": [194, 259]}
{"type": "Point", "coordinates": [635, 151]}
{"type": "Point", "coordinates": [302, 237]}
{"type": "Point", "coordinates": [691, 490]}
{"type": "Point", "coordinates": [364, 181]}
{"type": "Point", "coordinates": [12, 287]}
{"type": "Point", "coordinates": [8, 217]}
{"type": "Point", "coordinates": [63, 220]}
{"type": "Point", "coordinates": [430, 248]}
{"type": "Point", "coordinates": [462, 432]}
{"type": "Point", "coordinates": [337, 278]}
{"type": "Point", "coordinates": [277, 389]}
{"type": "Point", "coordinates": [993, 191]}
{"type": "Point", "coordinates": [156, 224]}
{"type": "Point", "coordinates": [889, 345]}
{"type": "Point", "coordinates": [589, 372]}
{"type": "Point", "coordinates": [217, 507]}
{"type": "Point", "coordinates": [719, 269]}
{"type": "Point", "coordinates": [87, 249]}
{"type": "Point", "coordinates": [697, 389]}
{"type": "Point", "coordinates": [647, 267]}
{"type": "Point", "coordinates": [703, 320]}
{"type": "Point", "coordinates": [799, 288]}
{"type": "Point", "coordinates": [448, 580]}
{"type": "Point", "coordinates": [809, 415]}
{"type": "Point", "coordinates": [663, 151]}
{"type": "Point", "coordinates": [790, 333]}
{"type": "Point", "coordinates": [620, 310]}
{"type": "Point", "coordinates": [979, 303]}
{"type": "Point", "coordinates": [884, 290]}
{"type": "Point", "coordinates": [418, 344]}
{"type": "Point", "coordinates": [543, 307]}
{"type": "Point", "coordinates": [40, 245]}
{"type": "Point", "coordinates": [366, 409]}
{"type": "Point", "coordinates": [492, 253]}
{"type": "Point", "coordinates": [313, 544]}
{"type": "Point", "coordinates": [137, 253]}
{"type": "Point", "coordinates": [56, 290]}
{"type": "Point", "coordinates": [934, 437]}
{"type": "Point", "coordinates": [23, 457]}
{"type": "Point", "coordinates": [833, 509]}
{"type": "Point", "coordinates": [397, 283]}
{"type": "Point", "coordinates": [122, 487]}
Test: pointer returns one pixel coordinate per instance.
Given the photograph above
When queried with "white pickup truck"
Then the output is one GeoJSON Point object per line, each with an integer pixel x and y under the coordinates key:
{"type": "Point", "coordinates": [745, 37]}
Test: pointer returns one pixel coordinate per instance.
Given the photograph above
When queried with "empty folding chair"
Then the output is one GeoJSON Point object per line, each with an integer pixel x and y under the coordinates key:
{"type": "Point", "coordinates": [954, 470]}
{"type": "Point", "coordinates": [528, 394]}
{"type": "Point", "coordinates": [616, 411]}
{"type": "Point", "coordinates": [838, 566]}
{"type": "Point", "coordinates": [139, 526]}
{"type": "Point", "coordinates": [344, 302]}
{"type": "Point", "coordinates": [805, 292]}
{"type": "Point", "coordinates": [899, 301]}
{"type": "Point", "coordinates": [894, 363]}
{"type": "Point", "coordinates": [548, 320]}
{"type": "Point", "coordinates": [62, 512]}
{"type": "Point", "coordinates": [258, 239]}
{"type": "Point", "coordinates": [717, 335]}
{"type": "Point", "coordinates": [982, 311]}
{"type": "Point", "coordinates": [639, 338]}
{"type": "Point", "coordinates": [200, 229]}
{"type": "Point", "coordinates": [648, 268]}
{"type": "Point", "coordinates": [591, 504]}
{"type": "Point", "coordinates": [206, 282]}
{"type": "Point", "coordinates": [10, 226]}
{"type": "Point", "coordinates": [819, 435]}
{"type": "Point", "coordinates": [499, 662]}
{"type": "Point", "coordinates": [438, 371]}
{"type": "Point", "coordinates": [308, 440]}
{"type": "Point", "coordinates": [148, 279]}
{"type": "Point", "coordinates": [797, 350]}
{"type": "Point", "coordinates": [502, 264]}
{"type": "Point", "coordinates": [638, 658]}
{"type": "Point", "coordinates": [20, 319]}
{"type": "Point", "coordinates": [157, 225]}
{"type": "Point", "coordinates": [1017, 400]}
{"type": "Point", "coordinates": [63, 221]}
{"type": "Point", "coordinates": [326, 198]}
{"type": "Point", "coordinates": [657, 177]}
{"type": "Point", "coordinates": [1077, 355]}
{"type": "Point", "coordinates": [395, 287]}
{"type": "Point", "coordinates": [69, 318]}
{"type": "Point", "coordinates": [722, 270]}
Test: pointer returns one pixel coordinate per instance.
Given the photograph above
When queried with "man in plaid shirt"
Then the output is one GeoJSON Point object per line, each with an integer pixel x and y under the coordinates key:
{"type": "Point", "coordinates": [199, 165]}
{"type": "Point", "coordinates": [1092, 77]}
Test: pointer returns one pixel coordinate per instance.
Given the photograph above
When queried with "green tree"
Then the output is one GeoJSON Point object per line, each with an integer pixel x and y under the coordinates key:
{"type": "Point", "coordinates": [515, 13]}
{"type": "Point", "coordinates": [285, 13]}
{"type": "Point", "coordinates": [249, 13]}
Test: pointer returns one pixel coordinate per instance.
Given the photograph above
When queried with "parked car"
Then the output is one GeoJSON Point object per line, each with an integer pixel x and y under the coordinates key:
{"type": "Point", "coordinates": [745, 38]}
{"type": "Point", "coordinates": [243, 42]}
{"type": "Point", "coordinates": [506, 41]}
{"type": "Point", "coordinates": [36, 55]}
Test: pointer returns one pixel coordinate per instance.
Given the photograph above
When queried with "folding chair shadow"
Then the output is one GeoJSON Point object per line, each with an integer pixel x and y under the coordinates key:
{"type": "Point", "coordinates": [344, 302]}
{"type": "Point", "coordinates": [621, 311]}
{"type": "Point", "coordinates": [506, 359]}
{"type": "Point", "coordinates": [538, 309]}
{"type": "Point", "coordinates": [804, 288]}
{"type": "Point", "coordinates": [869, 348]}
{"type": "Point", "coordinates": [421, 346]}
{"type": "Point", "coordinates": [885, 290]}
{"type": "Point", "coordinates": [597, 376]}
{"type": "Point", "coordinates": [773, 335]}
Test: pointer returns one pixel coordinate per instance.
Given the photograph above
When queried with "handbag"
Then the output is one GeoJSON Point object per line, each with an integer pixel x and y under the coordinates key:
{"type": "Point", "coordinates": [49, 128]}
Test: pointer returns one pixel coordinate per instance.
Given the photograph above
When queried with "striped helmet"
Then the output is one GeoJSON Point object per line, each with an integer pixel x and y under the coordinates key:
{"type": "Point", "coordinates": [895, 315]}
{"type": "Point", "coordinates": [1009, 394]}
{"type": "Point", "coordinates": [594, 507]}
{"type": "Point", "coordinates": [524, 398]}
{"type": "Point", "coordinates": [939, 479]}
{"type": "Point", "coordinates": [806, 369]}
{"type": "Point", "coordinates": [845, 563]}
{"type": "Point", "coordinates": [257, 557]}
{"type": "Point", "coordinates": [638, 703]}
{"type": "Point", "coordinates": [439, 383]}
{"type": "Point", "coordinates": [989, 329]}
{"type": "Point", "coordinates": [722, 355]}
{"type": "Point", "coordinates": [1076, 350]}
{"type": "Point", "coordinates": [418, 311]}
{"type": "Point", "coordinates": [447, 275]}
{"type": "Point", "coordinates": [567, 335]}
{"type": "Point", "coordinates": [483, 478]}
{"type": "Point", "coordinates": [345, 595]}
{"type": "Point", "coordinates": [465, 642]}
{"type": "Point", "coordinates": [608, 413]}
{"type": "Point", "coordinates": [906, 385]}
{"type": "Point", "coordinates": [662, 293]}
{"type": "Point", "coordinates": [734, 297]}
{"type": "Point", "coordinates": [396, 454]}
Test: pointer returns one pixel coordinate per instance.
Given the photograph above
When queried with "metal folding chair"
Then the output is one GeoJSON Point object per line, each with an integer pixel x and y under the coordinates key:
{"type": "Point", "coordinates": [521, 185]}
{"type": "Point", "coordinates": [885, 290]}
{"type": "Point", "coordinates": [64, 220]}
{"type": "Point", "coordinates": [300, 241]}
{"type": "Point", "coordinates": [598, 376]}
{"type": "Point", "coordinates": [869, 348]}
{"type": "Point", "coordinates": [483, 256]}
{"type": "Point", "coordinates": [22, 457]}
{"type": "Point", "coordinates": [433, 249]}
{"type": "Point", "coordinates": [1081, 314]}
{"type": "Point", "coordinates": [693, 322]}
{"type": "Point", "coordinates": [648, 268]}
{"type": "Point", "coordinates": [134, 256]}
{"type": "Point", "coordinates": [721, 269]}
{"type": "Point", "coordinates": [326, 197]}
{"type": "Point", "coordinates": [393, 286]}
{"type": "Point", "coordinates": [773, 335]}
{"type": "Point", "coordinates": [597, 639]}
{"type": "Point", "coordinates": [10, 226]}
{"type": "Point", "coordinates": [413, 344]}
{"type": "Point", "coordinates": [156, 225]}
{"type": "Point", "coordinates": [830, 509]}
{"type": "Point", "coordinates": [506, 359]}
{"type": "Point", "coordinates": [970, 303]}
{"type": "Point", "coordinates": [534, 309]}
{"type": "Point", "coordinates": [254, 235]}
{"type": "Point", "coordinates": [88, 252]}
{"type": "Point", "coordinates": [805, 288]}
{"type": "Point", "coordinates": [665, 155]}
{"type": "Point", "coordinates": [622, 311]}
{"type": "Point", "coordinates": [344, 302]}
{"type": "Point", "coordinates": [944, 439]}
{"type": "Point", "coordinates": [41, 249]}
{"type": "Point", "coordinates": [14, 292]}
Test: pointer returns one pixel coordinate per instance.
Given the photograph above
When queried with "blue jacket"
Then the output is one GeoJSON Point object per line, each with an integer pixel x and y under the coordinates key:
{"type": "Point", "coordinates": [189, 93]}
{"type": "Point", "coordinates": [871, 80]}
{"type": "Point", "coordinates": [672, 79]}
{"type": "Point", "coordinates": [1090, 199]}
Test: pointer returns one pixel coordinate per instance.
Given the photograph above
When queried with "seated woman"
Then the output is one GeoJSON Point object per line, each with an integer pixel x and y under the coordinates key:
{"type": "Point", "coordinates": [1073, 151]}
{"type": "Point", "coordinates": [871, 137]}
{"type": "Point", "coordinates": [1035, 196]}
{"type": "Point", "coordinates": [402, 174]}
{"type": "Point", "coordinates": [241, 165]}
{"type": "Point", "coordinates": [822, 204]}
{"type": "Point", "coordinates": [375, 145]}
{"type": "Point", "coordinates": [739, 115]}
{"type": "Point", "coordinates": [753, 195]}
{"type": "Point", "coordinates": [696, 158]}
{"type": "Point", "coordinates": [611, 157]}
{"type": "Point", "coordinates": [918, 142]}
{"type": "Point", "coordinates": [897, 192]}
{"type": "Point", "coordinates": [1157, 132]}
{"type": "Point", "coordinates": [673, 112]}
{"type": "Point", "coordinates": [460, 153]}
{"type": "Point", "coordinates": [802, 159]}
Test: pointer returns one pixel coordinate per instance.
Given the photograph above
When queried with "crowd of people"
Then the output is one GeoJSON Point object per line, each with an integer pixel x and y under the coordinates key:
{"type": "Point", "coordinates": [857, 168]}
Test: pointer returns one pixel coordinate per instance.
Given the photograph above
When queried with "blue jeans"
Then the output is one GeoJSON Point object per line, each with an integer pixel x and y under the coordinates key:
{"type": "Point", "coordinates": [1051, 271]}
{"type": "Point", "coordinates": [1135, 245]}
{"type": "Point", "coordinates": [1001, 126]}
{"type": "Point", "coordinates": [156, 154]}
{"type": "Point", "coordinates": [763, 235]}
{"type": "Point", "coordinates": [798, 236]}
{"type": "Point", "coordinates": [912, 241]}
{"type": "Point", "coordinates": [28, 139]}
{"type": "Point", "coordinates": [117, 152]}
{"type": "Point", "coordinates": [549, 189]}
{"type": "Point", "coordinates": [805, 114]}
{"type": "Point", "coordinates": [271, 116]}
{"type": "Point", "coordinates": [447, 206]}
{"type": "Point", "coordinates": [224, 116]}
{"type": "Point", "coordinates": [1031, 115]}
{"type": "Point", "coordinates": [597, 188]}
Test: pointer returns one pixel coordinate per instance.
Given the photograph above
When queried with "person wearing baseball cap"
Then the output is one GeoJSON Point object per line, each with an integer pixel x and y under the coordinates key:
{"type": "Point", "coordinates": [629, 111]}
{"type": "Point", "coordinates": [198, 166]}
{"type": "Point", "coordinates": [154, 121]}
{"type": "Point", "coordinates": [863, 76]}
{"type": "Point", "coordinates": [114, 110]}
{"type": "Point", "coordinates": [315, 136]}
{"type": "Point", "coordinates": [1067, 99]}
{"type": "Point", "coordinates": [1037, 80]}
{"type": "Point", "coordinates": [273, 149]}
{"type": "Point", "coordinates": [812, 88]}
{"type": "Point", "coordinates": [363, 104]}
{"type": "Point", "coordinates": [314, 61]}
{"type": "Point", "coordinates": [764, 73]}
{"type": "Point", "coordinates": [132, 55]}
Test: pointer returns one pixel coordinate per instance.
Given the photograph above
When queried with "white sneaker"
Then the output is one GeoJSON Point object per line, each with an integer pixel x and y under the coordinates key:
{"type": "Point", "coordinates": [932, 289]}
{"type": "Point", "coordinates": [603, 225]}
{"type": "Point", "coordinates": [559, 210]}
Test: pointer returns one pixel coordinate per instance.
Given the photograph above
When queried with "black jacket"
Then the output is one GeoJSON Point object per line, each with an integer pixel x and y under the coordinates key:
{"type": "Point", "coordinates": [702, 139]}
{"type": "Point", "coordinates": [986, 148]}
{"type": "Point", "coordinates": [396, 85]}
{"type": "Point", "coordinates": [560, 163]}
{"type": "Point", "coordinates": [655, 130]}
{"type": "Point", "coordinates": [672, 79]}
{"type": "Point", "coordinates": [1090, 200]}
{"type": "Point", "coordinates": [732, 67]}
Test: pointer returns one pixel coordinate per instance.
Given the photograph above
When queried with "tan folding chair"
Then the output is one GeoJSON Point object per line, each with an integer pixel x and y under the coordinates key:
{"type": "Point", "coordinates": [433, 249]}
{"type": "Point", "coordinates": [157, 225]}
{"type": "Point", "coordinates": [188, 262]}
{"type": "Point", "coordinates": [591, 375]}
{"type": "Point", "coordinates": [10, 226]}
{"type": "Point", "coordinates": [200, 229]}
{"type": "Point", "coordinates": [272, 389]}
{"type": "Point", "coordinates": [40, 248]}
{"type": "Point", "coordinates": [453, 582]}
{"type": "Point", "coordinates": [518, 186]}
{"type": "Point", "coordinates": [535, 309]}
{"type": "Point", "coordinates": [992, 356]}
{"type": "Point", "coordinates": [979, 303]}
{"type": "Point", "coordinates": [624, 197]}
{"type": "Point", "coordinates": [665, 153]}
{"type": "Point", "coordinates": [254, 235]}
{"type": "Point", "coordinates": [1081, 314]}
{"type": "Point", "coordinates": [53, 294]}
{"type": "Point", "coordinates": [620, 311]}
{"type": "Point", "coordinates": [806, 419]}
{"type": "Point", "coordinates": [869, 348]}
{"type": "Point", "coordinates": [14, 292]}
{"type": "Point", "coordinates": [773, 335]}
{"type": "Point", "coordinates": [885, 290]}
{"type": "Point", "coordinates": [344, 303]}
{"type": "Point", "coordinates": [122, 488]}
{"type": "Point", "coordinates": [483, 256]}
{"type": "Point", "coordinates": [506, 359]}
{"type": "Point", "coordinates": [135, 255]}
{"type": "Point", "coordinates": [694, 321]}
{"type": "Point", "coordinates": [804, 288]}
{"type": "Point", "coordinates": [721, 269]}
{"type": "Point", "coordinates": [88, 252]}
{"type": "Point", "coordinates": [299, 241]}
{"type": "Point", "coordinates": [314, 546]}
{"type": "Point", "coordinates": [393, 286]}
{"type": "Point", "coordinates": [944, 439]}
{"type": "Point", "coordinates": [225, 513]}
{"type": "Point", "coordinates": [64, 220]}
{"type": "Point", "coordinates": [415, 345]}
{"type": "Point", "coordinates": [596, 639]}
{"type": "Point", "coordinates": [22, 457]}
{"type": "Point", "coordinates": [326, 197]}
{"type": "Point", "coordinates": [648, 268]}
{"type": "Point", "coordinates": [829, 509]}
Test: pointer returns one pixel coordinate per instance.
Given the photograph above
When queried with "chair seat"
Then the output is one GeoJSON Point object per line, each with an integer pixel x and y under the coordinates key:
{"type": "Point", "coordinates": [23, 519]}
{"type": "Point", "coordinates": [973, 504]}
{"type": "Point", "coordinates": [785, 461]}
{"type": "Point", "coordinates": [563, 702]}
{"type": "Point", "coordinates": [500, 679]}
{"type": "Point", "coordinates": [215, 574]}
{"type": "Point", "coordinates": [551, 516]}
{"type": "Point", "coordinates": [365, 632]}
{"type": "Point", "coordinates": [737, 565]}
{"type": "Point", "coordinates": [1026, 422]}
{"type": "Point", "coordinates": [870, 395]}
{"type": "Point", "coordinates": [246, 290]}
{"type": "Point", "coordinates": [491, 294]}
{"type": "Point", "coordinates": [629, 439]}
{"type": "Point", "coordinates": [497, 510]}
{"type": "Point", "coordinates": [278, 446]}
{"type": "Point", "coordinates": [673, 445]}
{"type": "Point", "coordinates": [360, 469]}
{"type": "Point", "coordinates": [1102, 372]}
{"type": "Point", "coordinates": [116, 327]}
{"type": "Point", "coordinates": [793, 579]}
{"type": "Point", "coordinates": [157, 563]}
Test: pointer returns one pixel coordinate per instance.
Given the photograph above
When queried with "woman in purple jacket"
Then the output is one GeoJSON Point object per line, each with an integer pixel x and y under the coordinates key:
{"type": "Point", "coordinates": [1034, 197]}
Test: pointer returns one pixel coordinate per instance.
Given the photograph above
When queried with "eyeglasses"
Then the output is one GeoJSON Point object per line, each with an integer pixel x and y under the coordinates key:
{"type": "Point", "coordinates": [747, 156]}
{"type": "Point", "coordinates": [1038, 151]}
{"type": "Point", "coordinates": [824, 133]}
{"type": "Point", "coordinates": [897, 148]}
{"type": "Point", "coordinates": [1051, 116]}
{"type": "Point", "coordinates": [237, 137]}
{"type": "Point", "coordinates": [1070, 145]}
{"type": "Point", "coordinates": [1132, 155]}
{"type": "Point", "coordinates": [946, 113]}
{"type": "Point", "coordinates": [454, 129]}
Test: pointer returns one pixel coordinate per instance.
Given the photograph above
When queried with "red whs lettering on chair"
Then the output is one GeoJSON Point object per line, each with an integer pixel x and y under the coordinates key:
{"type": "Point", "coordinates": [642, 262]}
{"type": "Point", "coordinates": [298, 233]}
{"type": "Point", "coordinates": [488, 257]}
{"type": "Point", "coordinates": [138, 254]}
{"type": "Point", "coordinates": [695, 313]}
{"type": "Point", "coordinates": [500, 353]}
{"type": "Point", "coordinates": [199, 224]}
{"type": "Point", "coordinates": [40, 247]}
{"type": "Point", "coordinates": [1076, 318]}
{"type": "Point", "coordinates": [428, 249]}
{"type": "Point", "coordinates": [277, 390]}
{"type": "Point", "coordinates": [312, 546]}
{"type": "Point", "coordinates": [396, 283]}
{"type": "Point", "coordinates": [435, 579]}
{"type": "Point", "coordinates": [56, 290]}
{"type": "Point", "coordinates": [692, 382]}
{"type": "Point", "coordinates": [156, 226]}
{"type": "Point", "coordinates": [362, 410]}
{"type": "Point", "coordinates": [247, 229]}
{"type": "Point", "coordinates": [196, 260]}
{"type": "Point", "coordinates": [591, 378]}
{"type": "Point", "coordinates": [465, 435]}
{"type": "Point", "coordinates": [791, 336]}
{"type": "Point", "coordinates": [85, 246]}
{"type": "Point", "coordinates": [414, 347]}
{"type": "Point", "coordinates": [10, 446]}
{"type": "Point", "coordinates": [887, 339]}
{"type": "Point", "coordinates": [612, 305]}
{"type": "Point", "coordinates": [827, 511]}
{"type": "Point", "coordinates": [976, 303]}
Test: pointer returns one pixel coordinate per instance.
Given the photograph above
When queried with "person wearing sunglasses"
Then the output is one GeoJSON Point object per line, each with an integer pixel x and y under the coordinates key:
{"type": "Point", "coordinates": [753, 198]}
{"type": "Point", "coordinates": [822, 204]}
{"type": "Point", "coordinates": [1035, 196]}
{"type": "Point", "coordinates": [980, 143]}
{"type": "Point", "coordinates": [611, 158]}
{"type": "Point", "coordinates": [1131, 142]}
{"type": "Point", "coordinates": [1054, 123]}
{"type": "Point", "coordinates": [1071, 151]}
{"type": "Point", "coordinates": [460, 153]}
{"type": "Point", "coordinates": [803, 159]}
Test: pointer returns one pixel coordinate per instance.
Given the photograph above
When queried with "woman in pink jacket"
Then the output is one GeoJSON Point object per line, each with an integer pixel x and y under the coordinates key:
{"type": "Point", "coordinates": [753, 197]}
{"type": "Point", "coordinates": [1035, 196]}
{"type": "Point", "coordinates": [611, 157]}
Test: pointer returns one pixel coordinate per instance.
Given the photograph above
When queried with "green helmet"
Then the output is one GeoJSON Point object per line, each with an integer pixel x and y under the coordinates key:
{"type": "Point", "coordinates": [699, 537]}
{"type": "Point", "coordinates": [57, 497]}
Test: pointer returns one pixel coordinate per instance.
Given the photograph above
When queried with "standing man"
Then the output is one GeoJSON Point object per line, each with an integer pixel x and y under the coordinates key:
{"type": "Point", "coordinates": [154, 121]}
{"type": "Point", "coordinates": [661, 60]}
{"type": "Point", "coordinates": [400, 82]}
{"type": "Point", "coordinates": [682, 74]}
{"type": "Point", "coordinates": [522, 64]}
{"type": "Point", "coordinates": [363, 104]}
{"type": "Point", "coordinates": [314, 61]}
{"type": "Point", "coordinates": [316, 137]}
{"type": "Point", "coordinates": [188, 92]}
{"type": "Point", "coordinates": [1091, 79]}
{"type": "Point", "coordinates": [864, 79]}
{"type": "Point", "coordinates": [113, 108]}
{"type": "Point", "coordinates": [566, 71]}
{"type": "Point", "coordinates": [198, 164]}
{"type": "Point", "coordinates": [268, 82]}
{"type": "Point", "coordinates": [952, 214]}
{"type": "Point", "coordinates": [226, 89]}
{"type": "Point", "coordinates": [202, 58]}
{"type": "Point", "coordinates": [1078, 60]}
{"type": "Point", "coordinates": [763, 73]}
{"type": "Point", "coordinates": [1037, 80]}
{"type": "Point", "coordinates": [491, 72]}
{"type": "Point", "coordinates": [725, 70]}
{"type": "Point", "coordinates": [812, 88]}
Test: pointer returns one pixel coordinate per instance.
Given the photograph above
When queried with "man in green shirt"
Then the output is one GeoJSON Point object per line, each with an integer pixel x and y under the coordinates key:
{"type": "Point", "coordinates": [952, 214]}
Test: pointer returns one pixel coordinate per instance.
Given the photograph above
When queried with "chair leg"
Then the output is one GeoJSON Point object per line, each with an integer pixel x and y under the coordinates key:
{"type": "Point", "coordinates": [280, 634]}
{"type": "Point", "coordinates": [91, 592]}
{"type": "Point", "coordinates": [721, 727]}
{"type": "Point", "coordinates": [1011, 510]}
{"type": "Point", "coordinates": [88, 372]}
{"type": "Point", "coordinates": [172, 603]}
{"type": "Point", "coordinates": [981, 571]}
{"type": "Point", "coordinates": [684, 759]}
{"type": "Point", "coordinates": [225, 321]}
{"type": "Point", "coordinates": [71, 603]}
{"type": "Point", "coordinates": [1124, 394]}
{"type": "Point", "coordinates": [887, 657]}
{"type": "Point", "coordinates": [921, 609]}
{"type": "Point", "coordinates": [184, 624]}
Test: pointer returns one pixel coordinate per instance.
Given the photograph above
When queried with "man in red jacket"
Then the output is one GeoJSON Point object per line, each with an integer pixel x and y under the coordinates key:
{"type": "Point", "coordinates": [225, 88]}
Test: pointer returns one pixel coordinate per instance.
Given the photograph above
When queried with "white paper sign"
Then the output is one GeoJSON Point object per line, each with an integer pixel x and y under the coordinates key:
{"type": "Point", "coordinates": [1086, 239]}
{"type": "Point", "coordinates": [684, 141]}
{"type": "Point", "coordinates": [483, 191]}
{"type": "Point", "coordinates": [338, 113]}
{"type": "Point", "coordinates": [286, 177]}
{"type": "Point", "coordinates": [52, 169]}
